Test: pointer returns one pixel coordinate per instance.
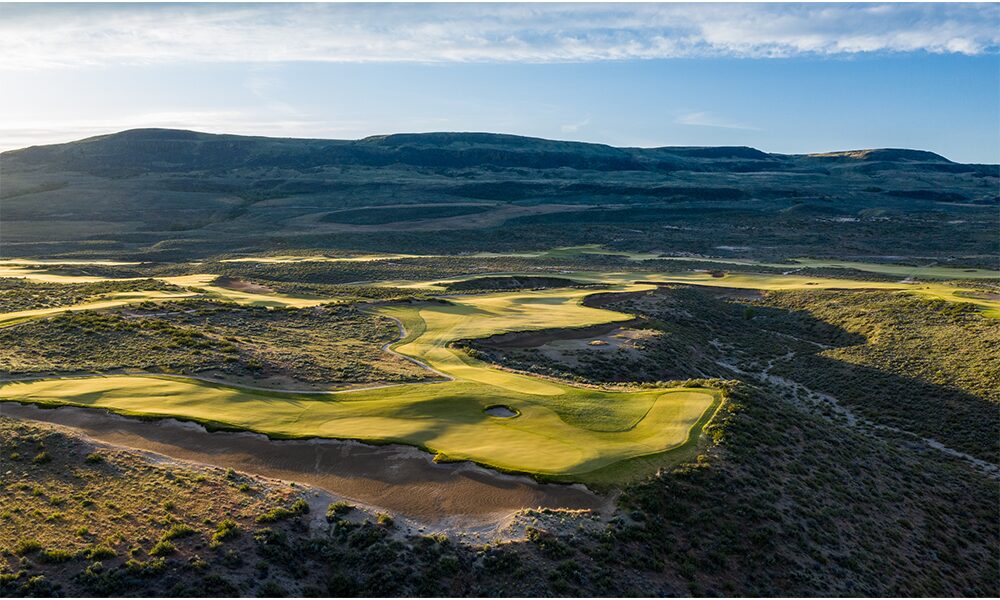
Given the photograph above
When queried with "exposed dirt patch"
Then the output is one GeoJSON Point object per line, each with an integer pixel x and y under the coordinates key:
{"type": "Point", "coordinates": [534, 339]}
{"type": "Point", "coordinates": [718, 292]}
{"type": "Point", "coordinates": [620, 340]}
{"type": "Point", "coordinates": [242, 286]}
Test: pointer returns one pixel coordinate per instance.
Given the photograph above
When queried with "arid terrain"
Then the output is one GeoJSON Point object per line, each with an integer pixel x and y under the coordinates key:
{"type": "Point", "coordinates": [483, 365]}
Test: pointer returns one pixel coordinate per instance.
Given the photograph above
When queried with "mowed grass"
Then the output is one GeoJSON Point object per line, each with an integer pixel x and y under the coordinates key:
{"type": "Point", "coordinates": [195, 286]}
{"type": "Point", "coordinates": [446, 419]}
{"type": "Point", "coordinates": [755, 281]}
{"type": "Point", "coordinates": [561, 430]}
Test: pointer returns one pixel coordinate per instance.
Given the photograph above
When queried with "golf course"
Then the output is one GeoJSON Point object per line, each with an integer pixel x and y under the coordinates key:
{"type": "Point", "coordinates": [503, 419]}
{"type": "Point", "coordinates": [557, 430]}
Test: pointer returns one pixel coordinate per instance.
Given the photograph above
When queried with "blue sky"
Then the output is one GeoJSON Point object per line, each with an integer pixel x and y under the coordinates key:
{"type": "Point", "coordinates": [783, 78]}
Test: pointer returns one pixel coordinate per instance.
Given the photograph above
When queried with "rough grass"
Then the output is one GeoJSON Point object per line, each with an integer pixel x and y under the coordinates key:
{"type": "Point", "coordinates": [319, 348]}
{"type": "Point", "coordinates": [120, 524]}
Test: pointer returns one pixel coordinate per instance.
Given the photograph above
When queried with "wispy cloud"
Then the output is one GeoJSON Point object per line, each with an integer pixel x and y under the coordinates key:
{"type": "Point", "coordinates": [574, 127]}
{"type": "Point", "coordinates": [18, 134]}
{"type": "Point", "coordinates": [706, 119]}
{"type": "Point", "coordinates": [40, 36]}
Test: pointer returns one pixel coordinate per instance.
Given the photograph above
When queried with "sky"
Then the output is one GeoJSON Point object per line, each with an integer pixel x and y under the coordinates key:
{"type": "Point", "coordinates": [790, 78]}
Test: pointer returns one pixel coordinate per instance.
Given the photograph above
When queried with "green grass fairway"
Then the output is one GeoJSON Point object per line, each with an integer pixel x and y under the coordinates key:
{"type": "Point", "coordinates": [111, 301]}
{"type": "Point", "coordinates": [564, 435]}
{"type": "Point", "coordinates": [204, 284]}
{"type": "Point", "coordinates": [195, 286]}
{"type": "Point", "coordinates": [561, 430]}
{"type": "Point", "coordinates": [754, 281]}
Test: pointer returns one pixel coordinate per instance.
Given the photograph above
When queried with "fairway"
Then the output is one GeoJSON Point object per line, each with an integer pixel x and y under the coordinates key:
{"type": "Point", "coordinates": [111, 301]}
{"type": "Point", "coordinates": [932, 271]}
{"type": "Point", "coordinates": [755, 281]}
{"type": "Point", "coordinates": [560, 429]}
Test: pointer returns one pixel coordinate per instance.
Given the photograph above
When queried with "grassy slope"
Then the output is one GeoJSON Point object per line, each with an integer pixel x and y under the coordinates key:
{"type": "Point", "coordinates": [323, 348]}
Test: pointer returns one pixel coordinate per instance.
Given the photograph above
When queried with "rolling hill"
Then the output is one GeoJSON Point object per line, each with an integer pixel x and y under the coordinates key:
{"type": "Point", "coordinates": [156, 193]}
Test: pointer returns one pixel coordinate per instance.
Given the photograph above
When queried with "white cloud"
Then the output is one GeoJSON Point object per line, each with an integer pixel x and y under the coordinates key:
{"type": "Point", "coordinates": [705, 119]}
{"type": "Point", "coordinates": [43, 36]}
{"type": "Point", "coordinates": [574, 127]}
{"type": "Point", "coordinates": [18, 134]}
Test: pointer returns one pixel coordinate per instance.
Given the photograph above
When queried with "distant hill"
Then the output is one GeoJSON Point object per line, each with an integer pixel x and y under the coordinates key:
{"type": "Point", "coordinates": [176, 150]}
{"type": "Point", "coordinates": [162, 192]}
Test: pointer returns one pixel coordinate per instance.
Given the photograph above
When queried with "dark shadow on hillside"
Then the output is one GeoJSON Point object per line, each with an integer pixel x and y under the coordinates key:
{"type": "Point", "coordinates": [957, 419]}
{"type": "Point", "coordinates": [704, 331]}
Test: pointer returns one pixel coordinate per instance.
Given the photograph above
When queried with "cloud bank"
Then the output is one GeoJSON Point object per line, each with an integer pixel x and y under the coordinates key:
{"type": "Point", "coordinates": [72, 36]}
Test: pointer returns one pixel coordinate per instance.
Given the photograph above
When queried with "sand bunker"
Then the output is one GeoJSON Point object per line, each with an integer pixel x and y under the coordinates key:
{"type": "Point", "coordinates": [501, 411]}
{"type": "Point", "coordinates": [401, 479]}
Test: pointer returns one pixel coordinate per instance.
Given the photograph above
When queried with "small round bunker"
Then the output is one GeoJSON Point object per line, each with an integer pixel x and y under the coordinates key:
{"type": "Point", "coordinates": [499, 410]}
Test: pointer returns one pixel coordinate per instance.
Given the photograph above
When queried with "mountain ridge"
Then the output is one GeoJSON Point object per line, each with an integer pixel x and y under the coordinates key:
{"type": "Point", "coordinates": [166, 193]}
{"type": "Point", "coordinates": [340, 150]}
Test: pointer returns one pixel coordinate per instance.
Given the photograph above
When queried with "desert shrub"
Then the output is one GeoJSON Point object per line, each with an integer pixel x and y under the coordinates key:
{"type": "Point", "coordinates": [162, 548]}
{"type": "Point", "coordinates": [178, 531]}
{"type": "Point", "coordinates": [337, 510]}
{"type": "Point", "coordinates": [226, 530]}
{"type": "Point", "coordinates": [100, 552]}
{"type": "Point", "coordinates": [25, 547]}
{"type": "Point", "coordinates": [56, 555]}
{"type": "Point", "coordinates": [271, 589]}
{"type": "Point", "coordinates": [299, 507]}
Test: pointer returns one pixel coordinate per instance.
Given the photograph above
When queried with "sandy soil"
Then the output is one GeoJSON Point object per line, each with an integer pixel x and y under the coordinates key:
{"type": "Point", "coordinates": [400, 479]}
{"type": "Point", "coordinates": [242, 286]}
{"type": "Point", "coordinates": [534, 339]}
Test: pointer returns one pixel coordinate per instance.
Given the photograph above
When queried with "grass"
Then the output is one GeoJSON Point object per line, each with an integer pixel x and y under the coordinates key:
{"type": "Point", "coordinates": [561, 431]}
{"type": "Point", "coordinates": [760, 281]}
{"type": "Point", "coordinates": [204, 284]}
{"type": "Point", "coordinates": [902, 271]}
{"type": "Point", "coordinates": [330, 347]}
{"type": "Point", "coordinates": [115, 300]}
{"type": "Point", "coordinates": [200, 285]}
